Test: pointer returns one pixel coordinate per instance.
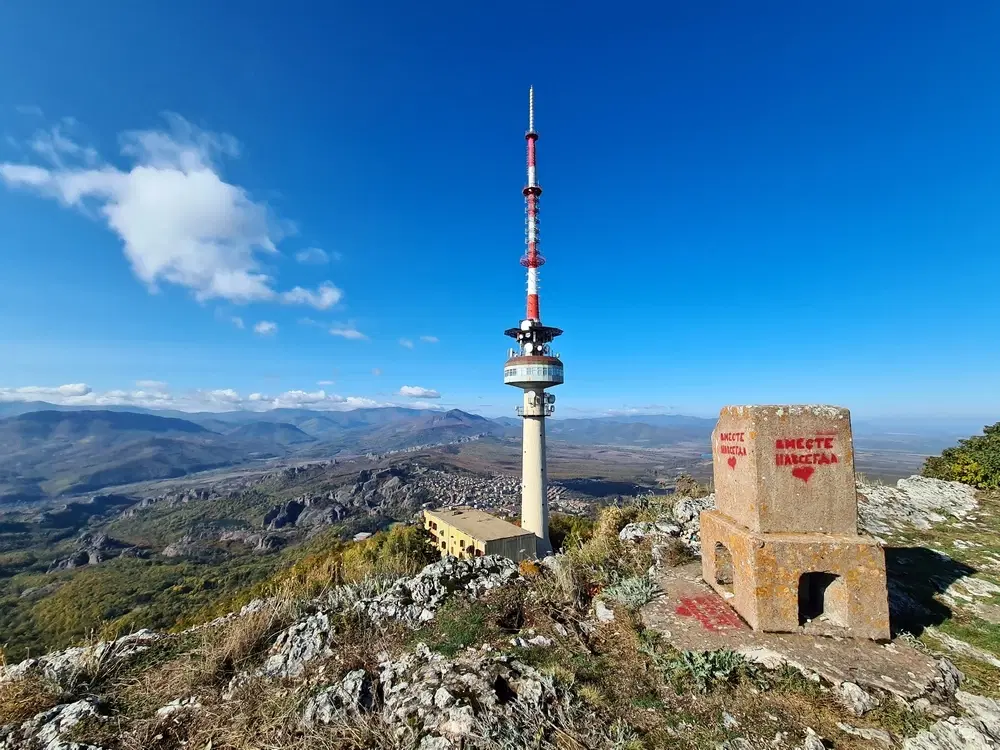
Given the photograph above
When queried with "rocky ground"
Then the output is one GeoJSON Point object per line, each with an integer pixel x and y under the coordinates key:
{"type": "Point", "coordinates": [485, 654]}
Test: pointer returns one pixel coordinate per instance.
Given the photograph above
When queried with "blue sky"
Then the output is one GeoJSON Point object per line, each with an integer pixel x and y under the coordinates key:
{"type": "Point", "coordinates": [768, 202]}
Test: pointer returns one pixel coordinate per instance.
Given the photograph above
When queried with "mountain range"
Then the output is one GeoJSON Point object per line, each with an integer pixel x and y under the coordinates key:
{"type": "Point", "coordinates": [48, 450]}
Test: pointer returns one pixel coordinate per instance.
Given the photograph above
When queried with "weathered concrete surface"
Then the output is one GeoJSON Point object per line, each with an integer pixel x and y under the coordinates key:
{"type": "Point", "coordinates": [764, 583]}
{"type": "Point", "coordinates": [782, 546]}
{"type": "Point", "coordinates": [693, 617]}
{"type": "Point", "coordinates": [786, 468]}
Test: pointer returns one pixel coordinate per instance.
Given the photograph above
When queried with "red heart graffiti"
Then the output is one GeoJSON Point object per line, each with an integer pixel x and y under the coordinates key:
{"type": "Point", "coordinates": [803, 472]}
{"type": "Point", "coordinates": [732, 462]}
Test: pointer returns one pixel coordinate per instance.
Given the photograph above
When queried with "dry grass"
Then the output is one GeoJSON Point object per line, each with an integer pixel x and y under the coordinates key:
{"type": "Point", "coordinates": [21, 699]}
{"type": "Point", "coordinates": [219, 653]}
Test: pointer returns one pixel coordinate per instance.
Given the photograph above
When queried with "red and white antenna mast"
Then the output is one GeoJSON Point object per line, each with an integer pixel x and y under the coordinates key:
{"type": "Point", "coordinates": [533, 366]}
{"type": "Point", "coordinates": [532, 259]}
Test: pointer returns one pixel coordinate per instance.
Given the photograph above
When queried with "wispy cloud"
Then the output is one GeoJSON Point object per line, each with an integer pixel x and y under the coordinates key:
{"type": "Point", "coordinates": [406, 343]}
{"type": "Point", "coordinates": [376, 371]}
{"type": "Point", "coordinates": [179, 221]}
{"type": "Point", "coordinates": [29, 109]}
{"type": "Point", "coordinates": [429, 339]}
{"type": "Point", "coordinates": [238, 322]}
{"type": "Point", "coordinates": [415, 391]}
{"type": "Point", "coordinates": [313, 256]}
{"type": "Point", "coordinates": [266, 328]}
{"type": "Point", "coordinates": [347, 332]}
{"type": "Point", "coordinates": [325, 382]}
{"type": "Point", "coordinates": [151, 385]}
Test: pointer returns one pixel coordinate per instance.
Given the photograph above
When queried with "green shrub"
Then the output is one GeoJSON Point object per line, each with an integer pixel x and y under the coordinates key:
{"type": "Point", "coordinates": [974, 461]}
{"type": "Point", "coordinates": [567, 532]}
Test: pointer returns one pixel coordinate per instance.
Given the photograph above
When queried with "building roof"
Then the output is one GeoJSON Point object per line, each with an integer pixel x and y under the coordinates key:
{"type": "Point", "coordinates": [477, 524]}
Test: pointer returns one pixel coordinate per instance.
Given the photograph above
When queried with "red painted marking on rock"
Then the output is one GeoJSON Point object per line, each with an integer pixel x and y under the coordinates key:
{"type": "Point", "coordinates": [732, 462]}
{"type": "Point", "coordinates": [803, 472]}
{"type": "Point", "coordinates": [710, 611]}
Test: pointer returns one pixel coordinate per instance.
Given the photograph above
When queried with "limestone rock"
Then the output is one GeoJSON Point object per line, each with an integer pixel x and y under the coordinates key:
{"type": "Point", "coordinates": [878, 736]}
{"type": "Point", "coordinates": [298, 645]}
{"type": "Point", "coordinates": [454, 699]}
{"type": "Point", "coordinates": [354, 694]}
{"type": "Point", "coordinates": [636, 532]}
{"type": "Point", "coordinates": [916, 502]}
{"type": "Point", "coordinates": [46, 731]}
{"type": "Point", "coordinates": [65, 667]}
{"type": "Point", "coordinates": [946, 682]}
{"type": "Point", "coordinates": [812, 741]}
{"type": "Point", "coordinates": [978, 729]}
{"type": "Point", "coordinates": [415, 600]}
{"type": "Point", "coordinates": [603, 612]}
{"type": "Point", "coordinates": [855, 699]}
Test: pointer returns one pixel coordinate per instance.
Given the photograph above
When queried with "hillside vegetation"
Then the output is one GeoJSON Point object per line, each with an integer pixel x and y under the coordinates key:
{"type": "Point", "coordinates": [351, 647]}
{"type": "Point", "coordinates": [974, 461]}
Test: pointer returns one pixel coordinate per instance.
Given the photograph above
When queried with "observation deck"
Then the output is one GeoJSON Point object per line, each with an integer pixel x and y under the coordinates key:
{"type": "Point", "coordinates": [533, 372]}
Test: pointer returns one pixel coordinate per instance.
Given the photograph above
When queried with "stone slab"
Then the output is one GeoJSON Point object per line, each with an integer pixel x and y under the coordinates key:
{"type": "Point", "coordinates": [786, 468]}
{"type": "Point", "coordinates": [693, 617]}
{"type": "Point", "coordinates": [766, 578]}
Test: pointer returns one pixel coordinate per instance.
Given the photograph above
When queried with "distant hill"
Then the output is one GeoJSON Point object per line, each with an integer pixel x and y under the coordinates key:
{"type": "Point", "coordinates": [78, 451]}
{"type": "Point", "coordinates": [58, 450]}
{"type": "Point", "coordinates": [279, 433]}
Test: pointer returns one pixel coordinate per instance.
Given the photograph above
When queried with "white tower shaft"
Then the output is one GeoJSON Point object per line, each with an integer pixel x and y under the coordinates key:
{"type": "Point", "coordinates": [534, 472]}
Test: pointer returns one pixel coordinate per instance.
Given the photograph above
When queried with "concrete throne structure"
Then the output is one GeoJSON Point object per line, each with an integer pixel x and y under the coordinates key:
{"type": "Point", "coordinates": [782, 545]}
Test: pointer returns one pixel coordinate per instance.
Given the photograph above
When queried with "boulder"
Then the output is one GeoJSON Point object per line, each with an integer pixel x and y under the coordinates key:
{"type": "Point", "coordinates": [47, 730]}
{"type": "Point", "coordinates": [352, 695]}
{"type": "Point", "coordinates": [854, 698]}
{"type": "Point", "coordinates": [297, 646]}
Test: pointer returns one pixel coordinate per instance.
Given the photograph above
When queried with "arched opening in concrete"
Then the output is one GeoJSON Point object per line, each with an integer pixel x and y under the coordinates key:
{"type": "Point", "coordinates": [723, 567]}
{"type": "Point", "coordinates": [822, 598]}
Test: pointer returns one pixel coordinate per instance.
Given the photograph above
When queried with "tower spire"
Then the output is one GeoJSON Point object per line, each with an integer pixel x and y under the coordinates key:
{"type": "Point", "coordinates": [532, 259]}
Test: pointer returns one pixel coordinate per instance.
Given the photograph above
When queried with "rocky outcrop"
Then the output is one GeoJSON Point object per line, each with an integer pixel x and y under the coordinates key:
{"type": "Point", "coordinates": [409, 600]}
{"type": "Point", "coordinates": [94, 549]}
{"type": "Point", "coordinates": [440, 702]}
{"type": "Point", "coordinates": [298, 645]}
{"type": "Point", "coordinates": [354, 694]}
{"type": "Point", "coordinates": [682, 522]}
{"type": "Point", "coordinates": [414, 600]}
{"type": "Point", "coordinates": [65, 668]}
{"type": "Point", "coordinates": [283, 515]}
{"type": "Point", "coordinates": [855, 698]}
{"type": "Point", "coordinates": [977, 729]}
{"type": "Point", "coordinates": [916, 502]}
{"type": "Point", "coordinates": [48, 730]}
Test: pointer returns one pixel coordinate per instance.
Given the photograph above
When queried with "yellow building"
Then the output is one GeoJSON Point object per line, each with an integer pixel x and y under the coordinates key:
{"type": "Point", "coordinates": [467, 532]}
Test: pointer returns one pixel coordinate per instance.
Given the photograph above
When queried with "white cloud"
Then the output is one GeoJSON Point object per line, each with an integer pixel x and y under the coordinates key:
{"type": "Point", "coordinates": [212, 400]}
{"type": "Point", "coordinates": [238, 322]}
{"type": "Point", "coordinates": [376, 371]}
{"type": "Point", "coordinates": [312, 256]}
{"type": "Point", "coordinates": [324, 382]}
{"type": "Point", "coordinates": [325, 297]}
{"type": "Point", "coordinates": [265, 328]}
{"type": "Point", "coordinates": [407, 343]}
{"type": "Point", "coordinates": [226, 395]}
{"type": "Point", "coordinates": [179, 221]}
{"type": "Point", "coordinates": [429, 339]}
{"type": "Point", "coordinates": [33, 392]}
{"type": "Point", "coordinates": [415, 391]}
{"type": "Point", "coordinates": [347, 332]}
